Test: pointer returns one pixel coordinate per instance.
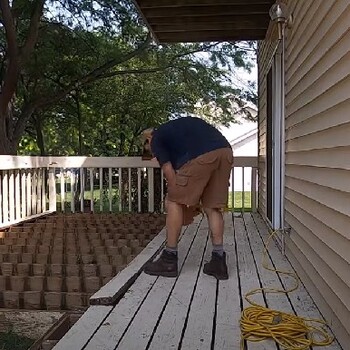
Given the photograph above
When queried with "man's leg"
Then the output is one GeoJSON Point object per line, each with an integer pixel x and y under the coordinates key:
{"type": "Point", "coordinates": [216, 224]}
{"type": "Point", "coordinates": [174, 222]}
{"type": "Point", "coordinates": [217, 266]}
{"type": "Point", "coordinates": [215, 196]}
{"type": "Point", "coordinates": [166, 265]}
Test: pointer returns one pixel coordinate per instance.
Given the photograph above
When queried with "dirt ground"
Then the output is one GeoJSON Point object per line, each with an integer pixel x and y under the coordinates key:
{"type": "Point", "coordinates": [31, 324]}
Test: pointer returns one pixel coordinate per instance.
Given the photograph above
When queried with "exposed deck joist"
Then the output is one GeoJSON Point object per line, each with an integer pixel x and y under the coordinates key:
{"type": "Point", "coordinates": [193, 311]}
{"type": "Point", "coordinates": [209, 20]}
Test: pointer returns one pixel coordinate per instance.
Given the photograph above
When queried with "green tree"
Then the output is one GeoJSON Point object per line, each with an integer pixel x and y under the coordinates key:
{"type": "Point", "coordinates": [50, 48]}
{"type": "Point", "coordinates": [77, 63]}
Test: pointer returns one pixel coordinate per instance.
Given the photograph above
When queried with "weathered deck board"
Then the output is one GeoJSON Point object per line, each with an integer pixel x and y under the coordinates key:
{"type": "Point", "coordinates": [169, 331]}
{"type": "Point", "coordinates": [200, 323]}
{"type": "Point", "coordinates": [249, 277]}
{"type": "Point", "coordinates": [140, 332]}
{"type": "Point", "coordinates": [227, 332]}
{"type": "Point", "coordinates": [84, 329]}
{"type": "Point", "coordinates": [300, 299]}
{"type": "Point", "coordinates": [269, 279]}
{"type": "Point", "coordinates": [193, 311]}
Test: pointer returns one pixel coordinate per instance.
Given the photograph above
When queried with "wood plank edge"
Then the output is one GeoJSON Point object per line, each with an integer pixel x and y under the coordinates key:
{"type": "Point", "coordinates": [127, 277]}
{"type": "Point", "coordinates": [26, 220]}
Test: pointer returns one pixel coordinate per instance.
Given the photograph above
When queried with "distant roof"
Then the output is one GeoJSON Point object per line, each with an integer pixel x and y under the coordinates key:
{"type": "Point", "coordinates": [206, 20]}
{"type": "Point", "coordinates": [243, 139]}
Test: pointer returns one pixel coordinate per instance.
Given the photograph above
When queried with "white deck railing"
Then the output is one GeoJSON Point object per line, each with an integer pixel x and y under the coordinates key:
{"type": "Point", "coordinates": [33, 186]}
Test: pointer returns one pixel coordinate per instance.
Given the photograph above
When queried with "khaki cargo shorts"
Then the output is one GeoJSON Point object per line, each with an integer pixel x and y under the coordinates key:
{"type": "Point", "coordinates": [204, 180]}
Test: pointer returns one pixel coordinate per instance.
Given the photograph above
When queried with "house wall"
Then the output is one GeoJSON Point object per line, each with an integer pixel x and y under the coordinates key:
{"type": "Point", "coordinates": [317, 127]}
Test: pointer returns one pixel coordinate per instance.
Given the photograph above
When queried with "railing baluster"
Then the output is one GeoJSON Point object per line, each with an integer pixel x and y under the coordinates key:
{"type": "Point", "coordinates": [253, 189]}
{"type": "Point", "coordinates": [120, 190]}
{"type": "Point", "coordinates": [72, 190]}
{"type": "Point", "coordinates": [23, 195]}
{"type": "Point", "coordinates": [5, 197]}
{"type": "Point", "coordinates": [101, 189]}
{"type": "Point", "coordinates": [110, 194]}
{"type": "Point", "coordinates": [91, 173]}
{"type": "Point", "coordinates": [150, 190]}
{"type": "Point", "coordinates": [34, 193]}
{"type": "Point", "coordinates": [18, 195]}
{"type": "Point", "coordinates": [43, 192]}
{"type": "Point", "coordinates": [12, 196]}
{"type": "Point", "coordinates": [52, 190]}
{"type": "Point", "coordinates": [243, 190]}
{"type": "Point", "coordinates": [63, 197]}
{"type": "Point", "coordinates": [82, 189]}
{"type": "Point", "coordinates": [38, 192]}
{"type": "Point", "coordinates": [29, 193]}
{"type": "Point", "coordinates": [139, 190]}
{"type": "Point", "coordinates": [129, 189]}
{"type": "Point", "coordinates": [233, 189]}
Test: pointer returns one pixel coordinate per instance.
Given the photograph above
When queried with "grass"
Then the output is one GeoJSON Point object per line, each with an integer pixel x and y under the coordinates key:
{"type": "Point", "coordinates": [13, 341]}
{"type": "Point", "coordinates": [238, 199]}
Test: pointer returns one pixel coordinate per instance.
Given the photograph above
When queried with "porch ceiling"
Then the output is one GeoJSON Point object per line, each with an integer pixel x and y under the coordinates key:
{"type": "Point", "coordinates": [206, 20]}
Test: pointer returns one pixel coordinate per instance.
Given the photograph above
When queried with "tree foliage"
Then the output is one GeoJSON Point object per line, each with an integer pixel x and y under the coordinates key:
{"type": "Point", "coordinates": [84, 77]}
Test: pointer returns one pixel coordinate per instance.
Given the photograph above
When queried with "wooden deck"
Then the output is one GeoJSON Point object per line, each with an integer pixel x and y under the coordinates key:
{"type": "Point", "coordinates": [193, 311]}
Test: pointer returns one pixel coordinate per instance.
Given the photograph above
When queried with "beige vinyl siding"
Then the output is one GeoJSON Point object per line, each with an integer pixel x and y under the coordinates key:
{"type": "Point", "coordinates": [317, 179]}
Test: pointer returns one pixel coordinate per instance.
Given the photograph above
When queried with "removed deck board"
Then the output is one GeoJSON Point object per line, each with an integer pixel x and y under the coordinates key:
{"type": "Point", "coordinates": [194, 311]}
{"type": "Point", "coordinates": [117, 286]}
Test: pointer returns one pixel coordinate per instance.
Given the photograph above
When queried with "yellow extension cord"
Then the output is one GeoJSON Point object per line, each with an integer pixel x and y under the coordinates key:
{"type": "Point", "coordinates": [291, 332]}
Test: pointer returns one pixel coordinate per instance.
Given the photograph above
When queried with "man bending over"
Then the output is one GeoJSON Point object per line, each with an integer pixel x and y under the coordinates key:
{"type": "Point", "coordinates": [196, 160]}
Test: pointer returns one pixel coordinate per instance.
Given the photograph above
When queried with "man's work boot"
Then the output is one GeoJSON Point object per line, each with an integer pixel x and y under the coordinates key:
{"type": "Point", "coordinates": [165, 266]}
{"type": "Point", "coordinates": [216, 267]}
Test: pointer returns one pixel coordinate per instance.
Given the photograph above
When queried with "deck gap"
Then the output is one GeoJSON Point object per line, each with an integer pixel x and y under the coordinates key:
{"type": "Point", "coordinates": [172, 288]}
{"type": "Point", "coordinates": [238, 274]}
{"type": "Point", "coordinates": [132, 319]}
{"type": "Point", "coordinates": [193, 293]}
{"type": "Point", "coordinates": [92, 335]}
{"type": "Point", "coordinates": [212, 345]}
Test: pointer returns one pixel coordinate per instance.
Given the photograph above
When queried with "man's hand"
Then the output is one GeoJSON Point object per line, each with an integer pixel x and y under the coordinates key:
{"type": "Point", "coordinates": [169, 173]}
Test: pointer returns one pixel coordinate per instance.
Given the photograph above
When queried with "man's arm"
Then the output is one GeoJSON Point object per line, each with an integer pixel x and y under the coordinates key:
{"type": "Point", "coordinates": [160, 150]}
{"type": "Point", "coordinates": [169, 173]}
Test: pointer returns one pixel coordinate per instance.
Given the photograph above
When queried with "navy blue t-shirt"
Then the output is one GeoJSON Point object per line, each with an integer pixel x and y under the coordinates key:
{"type": "Point", "coordinates": [181, 140]}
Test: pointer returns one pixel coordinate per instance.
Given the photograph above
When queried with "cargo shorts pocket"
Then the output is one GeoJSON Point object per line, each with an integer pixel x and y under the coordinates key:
{"type": "Point", "coordinates": [181, 180]}
{"type": "Point", "coordinates": [229, 157]}
{"type": "Point", "coordinates": [207, 158]}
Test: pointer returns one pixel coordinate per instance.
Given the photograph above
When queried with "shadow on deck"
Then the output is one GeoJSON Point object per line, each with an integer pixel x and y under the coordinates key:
{"type": "Point", "coordinates": [193, 311]}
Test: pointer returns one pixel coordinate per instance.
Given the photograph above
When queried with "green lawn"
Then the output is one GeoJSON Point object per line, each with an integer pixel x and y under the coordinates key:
{"type": "Point", "coordinates": [97, 198]}
{"type": "Point", "coordinates": [115, 203]}
{"type": "Point", "coordinates": [238, 201]}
